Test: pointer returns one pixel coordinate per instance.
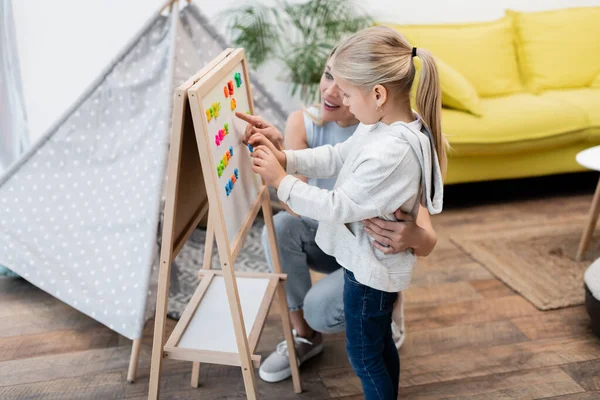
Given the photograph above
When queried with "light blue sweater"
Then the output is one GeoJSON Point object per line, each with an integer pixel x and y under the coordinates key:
{"type": "Point", "coordinates": [379, 169]}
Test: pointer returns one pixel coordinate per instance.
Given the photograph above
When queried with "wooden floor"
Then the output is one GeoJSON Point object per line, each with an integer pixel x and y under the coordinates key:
{"type": "Point", "coordinates": [470, 337]}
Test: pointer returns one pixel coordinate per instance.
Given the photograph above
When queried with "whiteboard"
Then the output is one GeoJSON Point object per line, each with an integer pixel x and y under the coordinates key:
{"type": "Point", "coordinates": [237, 204]}
{"type": "Point", "coordinates": [211, 326]}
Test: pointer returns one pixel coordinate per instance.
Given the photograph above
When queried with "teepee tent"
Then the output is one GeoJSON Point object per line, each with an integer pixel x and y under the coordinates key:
{"type": "Point", "coordinates": [80, 211]}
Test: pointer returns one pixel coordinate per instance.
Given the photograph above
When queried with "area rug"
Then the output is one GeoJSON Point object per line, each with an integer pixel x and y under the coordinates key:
{"type": "Point", "coordinates": [536, 261]}
{"type": "Point", "coordinates": [184, 271]}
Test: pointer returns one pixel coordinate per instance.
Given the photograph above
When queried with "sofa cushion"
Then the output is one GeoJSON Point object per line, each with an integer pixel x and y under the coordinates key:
{"type": "Point", "coordinates": [559, 48]}
{"type": "Point", "coordinates": [518, 120]}
{"type": "Point", "coordinates": [457, 92]}
{"type": "Point", "coordinates": [587, 99]}
{"type": "Point", "coordinates": [484, 53]}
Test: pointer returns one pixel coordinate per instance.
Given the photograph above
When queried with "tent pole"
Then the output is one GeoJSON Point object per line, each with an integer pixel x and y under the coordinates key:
{"type": "Point", "coordinates": [133, 360]}
{"type": "Point", "coordinates": [168, 3]}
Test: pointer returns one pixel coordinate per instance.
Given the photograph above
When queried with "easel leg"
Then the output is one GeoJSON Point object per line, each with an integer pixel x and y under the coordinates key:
{"type": "Point", "coordinates": [160, 322]}
{"type": "Point", "coordinates": [240, 332]}
{"type": "Point", "coordinates": [289, 337]}
{"type": "Point", "coordinates": [283, 306]}
{"type": "Point", "coordinates": [208, 249]}
{"type": "Point", "coordinates": [133, 361]}
{"type": "Point", "coordinates": [589, 229]}
{"type": "Point", "coordinates": [195, 374]}
{"type": "Point", "coordinates": [209, 242]}
{"type": "Point", "coordinates": [235, 307]}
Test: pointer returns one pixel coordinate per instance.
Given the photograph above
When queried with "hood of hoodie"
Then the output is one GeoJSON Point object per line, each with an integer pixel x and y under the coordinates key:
{"type": "Point", "coordinates": [421, 141]}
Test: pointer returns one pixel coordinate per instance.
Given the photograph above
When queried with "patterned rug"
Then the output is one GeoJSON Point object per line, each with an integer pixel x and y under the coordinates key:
{"type": "Point", "coordinates": [184, 271]}
{"type": "Point", "coordinates": [536, 261]}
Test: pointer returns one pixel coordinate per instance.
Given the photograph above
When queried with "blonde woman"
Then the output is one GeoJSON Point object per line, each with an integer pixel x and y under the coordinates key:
{"type": "Point", "coordinates": [317, 309]}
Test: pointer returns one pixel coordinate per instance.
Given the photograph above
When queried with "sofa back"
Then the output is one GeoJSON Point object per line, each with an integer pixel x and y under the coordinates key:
{"type": "Point", "coordinates": [520, 52]}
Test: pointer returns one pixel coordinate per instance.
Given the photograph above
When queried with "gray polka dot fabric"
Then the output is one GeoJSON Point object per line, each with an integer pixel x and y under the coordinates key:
{"type": "Point", "coordinates": [80, 212]}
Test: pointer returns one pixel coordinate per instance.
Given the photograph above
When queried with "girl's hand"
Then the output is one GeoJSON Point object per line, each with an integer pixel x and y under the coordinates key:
{"type": "Point", "coordinates": [258, 139]}
{"type": "Point", "coordinates": [258, 124]}
{"type": "Point", "coordinates": [398, 236]}
{"type": "Point", "coordinates": [267, 165]}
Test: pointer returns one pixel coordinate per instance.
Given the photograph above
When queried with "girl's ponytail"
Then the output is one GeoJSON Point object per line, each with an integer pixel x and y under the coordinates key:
{"type": "Point", "coordinates": [429, 103]}
{"type": "Point", "coordinates": [381, 56]}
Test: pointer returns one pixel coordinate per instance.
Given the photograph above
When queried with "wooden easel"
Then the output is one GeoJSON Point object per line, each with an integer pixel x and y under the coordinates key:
{"type": "Point", "coordinates": [192, 186]}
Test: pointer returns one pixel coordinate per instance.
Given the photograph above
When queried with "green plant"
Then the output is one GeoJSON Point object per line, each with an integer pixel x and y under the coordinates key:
{"type": "Point", "coordinates": [297, 35]}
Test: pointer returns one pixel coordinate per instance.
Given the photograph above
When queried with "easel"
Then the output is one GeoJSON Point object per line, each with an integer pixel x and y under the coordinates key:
{"type": "Point", "coordinates": [192, 186]}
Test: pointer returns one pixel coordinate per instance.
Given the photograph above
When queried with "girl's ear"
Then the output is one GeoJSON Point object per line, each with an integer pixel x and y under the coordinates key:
{"type": "Point", "coordinates": [380, 93]}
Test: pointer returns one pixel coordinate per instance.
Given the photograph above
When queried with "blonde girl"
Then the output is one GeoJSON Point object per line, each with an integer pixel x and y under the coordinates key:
{"type": "Point", "coordinates": [395, 159]}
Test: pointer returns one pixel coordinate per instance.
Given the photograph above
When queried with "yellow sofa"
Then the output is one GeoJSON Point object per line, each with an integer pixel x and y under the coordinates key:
{"type": "Point", "coordinates": [521, 95]}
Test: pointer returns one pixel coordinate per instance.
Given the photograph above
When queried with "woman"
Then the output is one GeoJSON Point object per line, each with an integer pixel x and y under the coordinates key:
{"type": "Point", "coordinates": [319, 309]}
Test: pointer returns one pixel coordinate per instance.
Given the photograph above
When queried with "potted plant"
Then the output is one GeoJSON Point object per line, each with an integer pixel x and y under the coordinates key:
{"type": "Point", "coordinates": [299, 36]}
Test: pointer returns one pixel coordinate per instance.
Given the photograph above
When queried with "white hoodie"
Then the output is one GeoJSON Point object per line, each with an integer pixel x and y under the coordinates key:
{"type": "Point", "coordinates": [379, 169]}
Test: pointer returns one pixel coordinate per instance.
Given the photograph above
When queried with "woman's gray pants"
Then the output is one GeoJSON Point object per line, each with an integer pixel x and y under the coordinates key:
{"type": "Point", "coordinates": [323, 302]}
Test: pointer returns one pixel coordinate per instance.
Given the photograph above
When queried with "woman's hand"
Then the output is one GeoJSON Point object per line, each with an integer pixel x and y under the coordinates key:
{"type": "Point", "coordinates": [268, 165]}
{"type": "Point", "coordinates": [258, 124]}
{"type": "Point", "coordinates": [394, 237]}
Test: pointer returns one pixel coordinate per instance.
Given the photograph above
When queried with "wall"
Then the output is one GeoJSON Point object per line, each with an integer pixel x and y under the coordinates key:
{"type": "Point", "coordinates": [65, 44]}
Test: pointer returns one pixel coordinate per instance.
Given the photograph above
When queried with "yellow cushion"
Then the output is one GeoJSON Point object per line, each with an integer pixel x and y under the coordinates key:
{"type": "Point", "coordinates": [586, 99]}
{"type": "Point", "coordinates": [560, 48]}
{"type": "Point", "coordinates": [457, 92]}
{"type": "Point", "coordinates": [516, 118]}
{"type": "Point", "coordinates": [484, 53]}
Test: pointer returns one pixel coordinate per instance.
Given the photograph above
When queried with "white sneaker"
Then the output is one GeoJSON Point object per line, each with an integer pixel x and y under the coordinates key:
{"type": "Point", "coordinates": [276, 367]}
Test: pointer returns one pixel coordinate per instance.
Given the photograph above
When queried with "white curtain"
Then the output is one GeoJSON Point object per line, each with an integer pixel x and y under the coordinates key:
{"type": "Point", "coordinates": [13, 121]}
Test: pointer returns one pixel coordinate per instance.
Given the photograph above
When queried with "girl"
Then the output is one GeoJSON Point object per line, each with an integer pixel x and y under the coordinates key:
{"type": "Point", "coordinates": [390, 162]}
{"type": "Point", "coordinates": [316, 309]}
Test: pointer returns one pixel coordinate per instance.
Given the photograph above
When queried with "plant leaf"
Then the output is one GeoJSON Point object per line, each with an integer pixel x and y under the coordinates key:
{"type": "Point", "coordinates": [298, 35]}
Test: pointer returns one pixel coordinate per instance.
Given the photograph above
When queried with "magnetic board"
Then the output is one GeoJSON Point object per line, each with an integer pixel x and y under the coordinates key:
{"type": "Point", "coordinates": [222, 92]}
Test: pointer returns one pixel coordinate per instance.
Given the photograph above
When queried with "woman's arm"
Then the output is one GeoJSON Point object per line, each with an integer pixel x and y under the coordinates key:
{"type": "Point", "coordinates": [295, 135]}
{"type": "Point", "coordinates": [295, 139]}
{"type": "Point", "coordinates": [403, 234]}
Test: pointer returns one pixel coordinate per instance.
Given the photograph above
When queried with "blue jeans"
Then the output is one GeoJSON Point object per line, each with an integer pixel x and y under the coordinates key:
{"type": "Point", "coordinates": [369, 343]}
{"type": "Point", "coordinates": [322, 302]}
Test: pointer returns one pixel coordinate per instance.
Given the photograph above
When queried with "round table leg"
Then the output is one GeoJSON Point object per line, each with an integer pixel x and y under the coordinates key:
{"type": "Point", "coordinates": [592, 220]}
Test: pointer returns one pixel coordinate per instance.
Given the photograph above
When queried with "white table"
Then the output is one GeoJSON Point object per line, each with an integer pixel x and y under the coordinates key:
{"type": "Point", "coordinates": [590, 158]}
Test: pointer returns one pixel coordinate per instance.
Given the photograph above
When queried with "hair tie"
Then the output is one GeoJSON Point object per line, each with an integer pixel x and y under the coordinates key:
{"type": "Point", "coordinates": [414, 52]}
